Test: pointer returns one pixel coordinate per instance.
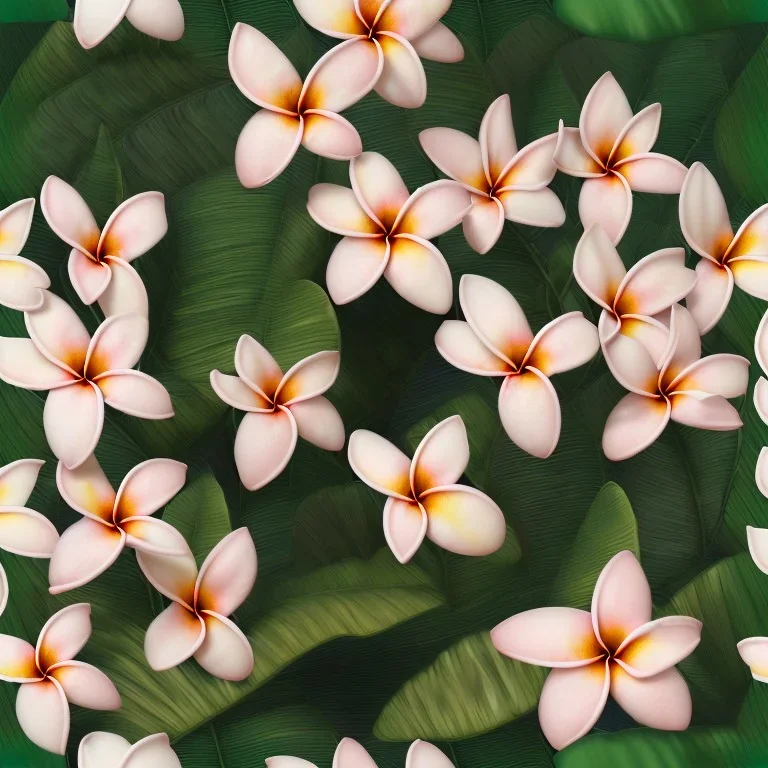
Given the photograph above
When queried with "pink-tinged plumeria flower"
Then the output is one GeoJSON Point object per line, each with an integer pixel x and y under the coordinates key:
{"type": "Point", "coordinates": [754, 650]}
{"type": "Point", "coordinates": [761, 472]}
{"type": "Point", "coordinates": [108, 750]}
{"type": "Point", "coordinates": [504, 182]}
{"type": "Point", "coordinates": [611, 150]}
{"type": "Point", "coordinates": [51, 679]}
{"type": "Point", "coordinates": [727, 258]}
{"type": "Point", "coordinates": [614, 648]}
{"type": "Point", "coordinates": [22, 282]}
{"type": "Point", "coordinates": [424, 499]}
{"type": "Point", "coordinates": [630, 299]}
{"type": "Point", "coordinates": [760, 394]}
{"type": "Point", "coordinates": [496, 340]}
{"type": "Point", "coordinates": [280, 407]}
{"type": "Point", "coordinates": [196, 623]}
{"type": "Point", "coordinates": [112, 521]}
{"type": "Point", "coordinates": [294, 113]}
{"type": "Point", "coordinates": [82, 373]}
{"type": "Point", "coordinates": [96, 19]}
{"type": "Point", "coordinates": [22, 531]}
{"type": "Point", "coordinates": [683, 387]}
{"type": "Point", "coordinates": [99, 263]}
{"type": "Point", "coordinates": [387, 231]}
{"type": "Point", "coordinates": [397, 33]}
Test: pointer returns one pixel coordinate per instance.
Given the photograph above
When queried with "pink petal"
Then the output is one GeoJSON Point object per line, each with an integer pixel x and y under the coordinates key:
{"type": "Point", "coordinates": [456, 155]}
{"type": "Point", "coordinates": [173, 577]}
{"type": "Point", "coordinates": [422, 754]}
{"type": "Point", "coordinates": [336, 18]}
{"type": "Point", "coordinates": [266, 146]}
{"type": "Point", "coordinates": [89, 277]}
{"type": "Point", "coordinates": [631, 364]}
{"type": "Point", "coordinates": [761, 343]}
{"type": "Point", "coordinates": [153, 536]}
{"type": "Point", "coordinates": [441, 457]}
{"type": "Point", "coordinates": [283, 761]}
{"type": "Point", "coordinates": [15, 223]}
{"type": "Point", "coordinates": [752, 236]}
{"type": "Point", "coordinates": [649, 331]}
{"type": "Point", "coordinates": [751, 275]}
{"type": "Point", "coordinates": [256, 367]}
{"type": "Point", "coordinates": [153, 750]}
{"type": "Point", "coordinates": [536, 208]}
{"type": "Point", "coordinates": [148, 487]}
{"type": "Point", "coordinates": [118, 343]}
{"type": "Point", "coordinates": [380, 464]}
{"type": "Point", "coordinates": [17, 660]}
{"type": "Point", "coordinates": [17, 481]}
{"type": "Point", "coordinates": [662, 701]}
{"type": "Point", "coordinates": [405, 525]}
{"type": "Point", "coordinates": [87, 490]}
{"type": "Point", "coordinates": [403, 81]}
{"type": "Point", "coordinates": [651, 172]}
{"type": "Point", "coordinates": [604, 115]}
{"type": "Point", "coordinates": [566, 342]}
{"type": "Point", "coordinates": [433, 209]}
{"type": "Point", "coordinates": [549, 637]}
{"type": "Point", "coordinates": [102, 750]}
{"type": "Point", "coordinates": [530, 412]}
{"type": "Point", "coordinates": [22, 283]}
{"type": "Point", "coordinates": [760, 398]}
{"type": "Point", "coordinates": [95, 19]}
{"type": "Point", "coordinates": [163, 19]}
{"type": "Point", "coordinates": [264, 445]}
{"type": "Point", "coordinates": [659, 645]}
{"type": "Point", "coordinates": [43, 715]}
{"type": "Point", "coordinates": [597, 266]}
{"type": "Point", "coordinates": [125, 293]}
{"type": "Point", "coordinates": [136, 225]}
{"type": "Point", "coordinates": [136, 394]}
{"type": "Point", "coordinates": [355, 266]}
{"type": "Point", "coordinates": [483, 223]}
{"type": "Point", "coordinates": [26, 532]}
{"type": "Point", "coordinates": [73, 419]}
{"type": "Point", "coordinates": [3, 589]}
{"type": "Point", "coordinates": [633, 425]}
{"type": "Point", "coordinates": [703, 214]}
{"type": "Point", "coordinates": [606, 201]}
{"type": "Point", "coordinates": [235, 392]}
{"type": "Point", "coordinates": [720, 374]}
{"type": "Point", "coordinates": [761, 480]}
{"type": "Point", "coordinates": [319, 422]}
{"type": "Point", "coordinates": [703, 411]}
{"type": "Point", "coordinates": [330, 135]}
{"type": "Point", "coordinates": [461, 347]}
{"type": "Point", "coordinates": [67, 214]}
{"type": "Point", "coordinates": [639, 134]}
{"type": "Point", "coordinates": [497, 138]}
{"type": "Point", "coordinates": [173, 637]}
{"type": "Point", "coordinates": [350, 754]}
{"type": "Point", "coordinates": [86, 686]}
{"type": "Point", "coordinates": [571, 702]}
{"type": "Point", "coordinates": [23, 365]}
{"type": "Point", "coordinates": [225, 652]}
{"type": "Point", "coordinates": [571, 157]}
{"type": "Point", "coordinates": [438, 43]}
{"type": "Point", "coordinates": [754, 653]}
{"type": "Point", "coordinates": [411, 18]}
{"type": "Point", "coordinates": [684, 345]}
{"type": "Point", "coordinates": [63, 635]}
{"type": "Point", "coordinates": [85, 550]}
{"type": "Point", "coordinates": [378, 188]}
{"type": "Point", "coordinates": [309, 378]}
{"type": "Point", "coordinates": [337, 209]}
{"type": "Point", "coordinates": [532, 167]}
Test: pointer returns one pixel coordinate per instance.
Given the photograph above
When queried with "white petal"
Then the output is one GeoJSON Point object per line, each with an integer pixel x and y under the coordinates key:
{"type": "Point", "coordinates": [652, 172]}
{"type": "Point", "coordinates": [604, 115]}
{"type": "Point", "coordinates": [403, 81]}
{"type": "Point", "coordinates": [703, 214]}
{"type": "Point", "coordinates": [140, 222]}
{"type": "Point", "coordinates": [266, 146]}
{"type": "Point", "coordinates": [17, 481]}
{"type": "Point", "coordinates": [754, 653]}
{"type": "Point", "coordinates": [536, 208]}
{"type": "Point", "coordinates": [422, 754]}
{"type": "Point", "coordinates": [152, 751]}
{"type": "Point", "coordinates": [135, 393]}
{"type": "Point", "coordinates": [173, 637]}
{"type": "Point", "coordinates": [405, 526]}
{"type": "Point", "coordinates": [89, 277]}
{"type": "Point", "coordinates": [456, 155]}
{"type": "Point", "coordinates": [26, 532]}
{"type": "Point", "coordinates": [319, 422]}
{"type": "Point", "coordinates": [433, 209]}
{"type": "Point", "coordinates": [633, 425]}
{"type": "Point", "coordinates": [336, 18]}
{"type": "Point", "coordinates": [23, 365]}
{"type": "Point", "coordinates": [338, 210]}
{"type": "Point", "coordinates": [639, 134]}
{"type": "Point", "coordinates": [721, 374]}
{"type": "Point", "coordinates": [73, 419]}
{"type": "Point", "coordinates": [22, 283]}
{"type": "Point", "coordinates": [309, 378]}
{"type": "Point", "coordinates": [67, 214]}
{"type": "Point", "coordinates": [497, 138]}
{"type": "Point", "coordinates": [484, 223]}
{"type": "Point", "coordinates": [461, 347]}
{"type": "Point", "coordinates": [95, 19]}
{"type": "Point", "coordinates": [697, 409]}
{"type": "Point", "coordinates": [659, 645]}
{"type": "Point", "coordinates": [606, 201]}
{"type": "Point", "coordinates": [263, 447]}
{"type": "Point", "coordinates": [125, 293]}
{"type": "Point", "coordinates": [173, 577]}
{"type": "Point", "coordinates": [63, 635]}
{"type": "Point", "coordinates": [15, 223]}
{"type": "Point", "coordinates": [761, 478]}
{"type": "Point", "coordinates": [564, 343]}
{"type": "Point", "coordinates": [330, 135]}
{"type": "Point", "coordinates": [662, 701]}
{"type": "Point", "coordinates": [43, 715]}
{"type": "Point", "coordinates": [442, 456]}
{"type": "Point", "coordinates": [379, 464]}
{"type": "Point", "coordinates": [235, 392]}
{"type": "Point", "coordinates": [571, 157]}
{"type": "Point", "coordinates": [355, 266]}
{"type": "Point", "coordinates": [225, 651]}
{"type": "Point", "coordinates": [155, 536]}
{"type": "Point", "coordinates": [102, 750]}
{"type": "Point", "coordinates": [118, 343]}
{"type": "Point", "coordinates": [256, 367]}
{"type": "Point", "coordinates": [438, 43]}
{"type": "Point", "coordinates": [378, 188]}
{"type": "Point", "coordinates": [162, 19]}
{"type": "Point", "coordinates": [86, 686]}
{"type": "Point", "coordinates": [532, 167]}
{"type": "Point", "coordinates": [597, 266]}
{"type": "Point", "coordinates": [350, 754]}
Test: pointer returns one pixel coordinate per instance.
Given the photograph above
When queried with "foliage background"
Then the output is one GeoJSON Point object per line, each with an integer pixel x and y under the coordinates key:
{"type": "Point", "coordinates": [347, 641]}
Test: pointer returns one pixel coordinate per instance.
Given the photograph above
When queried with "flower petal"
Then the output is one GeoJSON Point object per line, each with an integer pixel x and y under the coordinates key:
{"type": "Point", "coordinates": [649, 331]}
{"type": "Point", "coordinates": [319, 422]}
{"type": "Point", "coordinates": [87, 490]}
{"type": "Point", "coordinates": [235, 392]}
{"type": "Point", "coordinates": [225, 652]}
{"type": "Point", "coordinates": [405, 525]}
{"type": "Point", "coordinates": [67, 214]}
{"type": "Point", "coordinates": [422, 754]}
{"type": "Point", "coordinates": [483, 223]}
{"type": "Point", "coordinates": [173, 637]}
{"type": "Point", "coordinates": [633, 425]}
{"type": "Point", "coordinates": [266, 146]}
{"type": "Point", "coordinates": [148, 487]}
{"type": "Point", "coordinates": [761, 343]}
{"type": "Point", "coordinates": [43, 715]}
{"type": "Point", "coordinates": [23, 365]}
{"type": "Point", "coordinates": [761, 480]}
{"type": "Point", "coordinates": [15, 223]}
{"type": "Point", "coordinates": [536, 208]}
{"type": "Point", "coordinates": [564, 343]}
{"type": "Point", "coordinates": [22, 283]}
{"type": "Point", "coordinates": [703, 214]}
{"type": "Point", "coordinates": [350, 754]}
{"type": "Point", "coordinates": [752, 236]}
{"type": "Point", "coordinates": [703, 411]}
{"type": "Point", "coordinates": [125, 293]}
{"type": "Point", "coordinates": [380, 464]}
{"type": "Point", "coordinates": [604, 115]}
{"type": "Point", "coordinates": [456, 155]}
{"type": "Point", "coordinates": [662, 701]}
{"type": "Point", "coordinates": [760, 398]}
{"type": "Point", "coordinates": [73, 419]}
{"type": "Point", "coordinates": [135, 393]}
{"type": "Point", "coordinates": [461, 347]}
{"type": "Point", "coordinates": [256, 367]}
{"type": "Point", "coordinates": [264, 445]}
{"type": "Point", "coordinates": [378, 188]}
{"type": "Point", "coordinates": [163, 20]}
{"type": "Point", "coordinates": [17, 481]}
{"type": "Point", "coordinates": [136, 225]}
{"type": "Point", "coordinates": [631, 364]}
{"type": "Point", "coordinates": [639, 134]}
{"type": "Point", "coordinates": [659, 645]}
{"type": "Point", "coordinates": [438, 43]}
{"type": "Point", "coordinates": [154, 536]}
{"type": "Point", "coordinates": [403, 81]}
{"type": "Point", "coordinates": [597, 267]}
{"type": "Point", "coordinates": [720, 374]}
{"type": "Point", "coordinates": [433, 209]}
{"type": "Point", "coordinates": [173, 577]}
{"type": "Point", "coordinates": [571, 157]}
{"type": "Point", "coordinates": [26, 532]}
{"type": "Point", "coordinates": [411, 18]}
{"type": "Point", "coordinates": [309, 378]}
{"type": "Point", "coordinates": [497, 138]}
{"type": "Point", "coordinates": [86, 686]}
{"type": "Point", "coordinates": [283, 761]}
{"type": "Point", "coordinates": [89, 278]}
{"type": "Point", "coordinates": [532, 167]}
{"type": "Point", "coordinates": [17, 660]}
{"type": "Point", "coordinates": [684, 345]}
{"type": "Point", "coordinates": [754, 653]}
{"type": "Point", "coordinates": [757, 538]}
{"type": "Point", "coordinates": [652, 172]}
{"type": "Point", "coordinates": [100, 749]}
{"type": "Point", "coordinates": [330, 135]}
{"type": "Point", "coordinates": [337, 209]}
{"type": "Point", "coordinates": [63, 635]}
{"type": "Point", "coordinates": [118, 343]}
{"type": "Point", "coordinates": [95, 19]}
{"type": "Point", "coordinates": [153, 750]}
{"type": "Point", "coordinates": [441, 457]}
{"type": "Point", "coordinates": [751, 275]}
{"type": "Point", "coordinates": [336, 18]}
{"type": "Point", "coordinates": [606, 201]}
{"type": "Point", "coordinates": [355, 266]}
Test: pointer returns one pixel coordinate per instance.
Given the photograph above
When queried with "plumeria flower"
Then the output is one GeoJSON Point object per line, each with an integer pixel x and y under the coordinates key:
{"type": "Point", "coordinates": [423, 497]}
{"type": "Point", "coordinates": [196, 623]}
{"type": "Point", "coordinates": [95, 19]}
{"type": "Point", "coordinates": [108, 750]}
{"type": "Point", "coordinates": [611, 150]}
{"type": "Point", "coordinates": [397, 32]}
{"type": "Point", "coordinates": [629, 299]}
{"type": "Point", "coordinates": [386, 231]}
{"type": "Point", "coordinates": [280, 407]}
{"type": "Point", "coordinates": [614, 648]}
{"type": "Point", "coordinates": [727, 258]}
{"type": "Point", "coordinates": [683, 388]}
{"type": "Point", "coordinates": [761, 355]}
{"type": "Point", "coordinates": [112, 521]}
{"type": "Point", "coordinates": [22, 282]}
{"type": "Point", "coordinates": [504, 182]}
{"type": "Point", "coordinates": [496, 340]}
{"type": "Point", "coordinates": [754, 650]}
{"type": "Point", "coordinates": [294, 113]}
{"type": "Point", "coordinates": [82, 373]}
{"type": "Point", "coordinates": [51, 679]}
{"type": "Point", "coordinates": [99, 263]}
{"type": "Point", "coordinates": [22, 531]}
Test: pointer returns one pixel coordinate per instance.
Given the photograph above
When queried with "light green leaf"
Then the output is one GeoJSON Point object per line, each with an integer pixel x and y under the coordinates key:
{"type": "Point", "coordinates": [12, 11]}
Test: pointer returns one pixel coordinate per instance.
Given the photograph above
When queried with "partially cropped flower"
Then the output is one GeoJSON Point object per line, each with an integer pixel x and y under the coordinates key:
{"type": "Point", "coordinates": [727, 258]}
{"type": "Point", "coordinates": [496, 340]}
{"type": "Point", "coordinates": [423, 497]}
{"type": "Point", "coordinates": [108, 750]}
{"type": "Point", "coordinates": [22, 282]}
{"type": "Point", "coordinates": [22, 531]}
{"type": "Point", "coordinates": [681, 387]}
{"type": "Point", "coordinates": [754, 650]}
{"type": "Point", "coordinates": [82, 373]}
{"type": "Point", "coordinates": [615, 649]}
{"type": "Point", "coordinates": [99, 263]}
{"type": "Point", "coordinates": [611, 150]}
{"type": "Point", "coordinates": [761, 355]}
{"type": "Point", "coordinates": [386, 232]}
{"type": "Point", "coordinates": [51, 680]}
{"type": "Point", "coordinates": [280, 407]}
{"type": "Point", "coordinates": [95, 19]}
{"type": "Point", "coordinates": [196, 623]}
{"type": "Point", "coordinates": [294, 113]}
{"type": "Point", "coordinates": [503, 181]}
{"type": "Point", "coordinates": [397, 32]}
{"type": "Point", "coordinates": [112, 521]}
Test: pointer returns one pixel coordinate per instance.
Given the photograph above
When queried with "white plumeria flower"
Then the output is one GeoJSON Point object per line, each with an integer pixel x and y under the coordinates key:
{"type": "Point", "coordinates": [22, 282]}
{"type": "Point", "coordinates": [22, 531]}
{"type": "Point", "coordinates": [397, 33]}
{"type": "Point", "coordinates": [682, 387]}
{"type": "Point", "coordinates": [280, 407]}
{"type": "Point", "coordinates": [51, 679]}
{"type": "Point", "coordinates": [196, 623]}
{"type": "Point", "coordinates": [761, 354]}
{"type": "Point", "coordinates": [611, 150]}
{"type": "Point", "coordinates": [630, 299]}
{"type": "Point", "coordinates": [615, 649]}
{"type": "Point", "coordinates": [95, 19]}
{"type": "Point", "coordinates": [423, 497]}
{"type": "Point", "coordinates": [386, 231]}
{"type": "Point", "coordinates": [727, 258]}
{"type": "Point", "coordinates": [503, 181]}
{"type": "Point", "coordinates": [112, 521]}
{"type": "Point", "coordinates": [294, 113]}
{"type": "Point", "coordinates": [82, 373]}
{"type": "Point", "coordinates": [99, 263]}
{"type": "Point", "coordinates": [496, 340]}
{"type": "Point", "coordinates": [108, 750]}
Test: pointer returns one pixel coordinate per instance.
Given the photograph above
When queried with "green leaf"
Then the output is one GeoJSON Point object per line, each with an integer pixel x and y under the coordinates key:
{"type": "Point", "coordinates": [100, 180]}
{"type": "Point", "coordinates": [34, 10]}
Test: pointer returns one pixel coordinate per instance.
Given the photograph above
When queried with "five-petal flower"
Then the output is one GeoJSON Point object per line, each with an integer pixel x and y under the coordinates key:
{"type": "Point", "coordinates": [196, 623]}
{"type": "Point", "coordinates": [294, 113]}
{"type": "Point", "coordinates": [613, 648]}
{"type": "Point", "coordinates": [96, 19]}
{"type": "Point", "coordinates": [280, 407]}
{"type": "Point", "coordinates": [496, 340]}
{"type": "Point", "coordinates": [423, 497]}
{"type": "Point", "coordinates": [108, 750]}
{"type": "Point", "coordinates": [51, 679]}
{"type": "Point", "coordinates": [503, 181]}
{"type": "Point", "coordinates": [387, 231]}
{"type": "Point", "coordinates": [611, 150]}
